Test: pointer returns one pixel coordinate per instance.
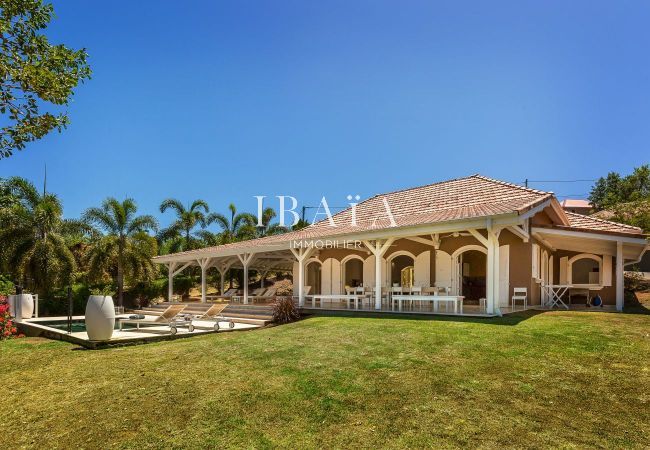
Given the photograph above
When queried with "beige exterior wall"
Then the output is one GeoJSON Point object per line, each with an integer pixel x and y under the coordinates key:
{"type": "Point", "coordinates": [520, 261]}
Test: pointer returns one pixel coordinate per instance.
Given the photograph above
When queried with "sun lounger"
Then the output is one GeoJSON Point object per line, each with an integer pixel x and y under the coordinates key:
{"type": "Point", "coordinates": [257, 294]}
{"type": "Point", "coordinates": [226, 295]}
{"type": "Point", "coordinates": [214, 313]}
{"type": "Point", "coordinates": [167, 317]}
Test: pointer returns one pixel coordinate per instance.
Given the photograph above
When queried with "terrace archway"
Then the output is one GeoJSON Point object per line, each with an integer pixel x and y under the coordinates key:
{"type": "Point", "coordinates": [352, 267]}
{"type": "Point", "coordinates": [401, 268]}
{"type": "Point", "coordinates": [469, 276]}
{"type": "Point", "coordinates": [313, 276]}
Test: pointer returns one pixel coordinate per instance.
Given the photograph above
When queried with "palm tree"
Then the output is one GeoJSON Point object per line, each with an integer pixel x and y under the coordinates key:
{"type": "Point", "coordinates": [126, 248]}
{"type": "Point", "coordinates": [268, 228]}
{"type": "Point", "coordinates": [179, 233]}
{"type": "Point", "coordinates": [33, 236]}
{"type": "Point", "coordinates": [239, 227]}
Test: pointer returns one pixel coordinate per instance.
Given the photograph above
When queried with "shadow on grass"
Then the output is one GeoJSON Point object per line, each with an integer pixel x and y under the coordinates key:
{"type": "Point", "coordinates": [634, 304]}
{"type": "Point", "coordinates": [510, 319]}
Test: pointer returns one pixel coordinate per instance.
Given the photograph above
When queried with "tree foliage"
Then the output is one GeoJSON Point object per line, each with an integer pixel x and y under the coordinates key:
{"type": "Point", "coordinates": [180, 235]}
{"type": "Point", "coordinates": [126, 249]}
{"type": "Point", "coordinates": [237, 227]}
{"type": "Point", "coordinates": [624, 199]}
{"type": "Point", "coordinates": [33, 237]}
{"type": "Point", "coordinates": [614, 189]}
{"type": "Point", "coordinates": [33, 73]}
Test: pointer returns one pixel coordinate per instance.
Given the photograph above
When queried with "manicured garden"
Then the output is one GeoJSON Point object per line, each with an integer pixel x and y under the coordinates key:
{"type": "Point", "coordinates": [535, 379]}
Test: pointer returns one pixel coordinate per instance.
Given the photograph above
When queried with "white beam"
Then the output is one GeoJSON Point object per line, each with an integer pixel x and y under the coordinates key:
{"type": "Point", "coordinates": [520, 231]}
{"type": "Point", "coordinates": [183, 267]}
{"type": "Point", "coordinates": [424, 241]}
{"type": "Point", "coordinates": [583, 234]}
{"type": "Point", "coordinates": [479, 237]}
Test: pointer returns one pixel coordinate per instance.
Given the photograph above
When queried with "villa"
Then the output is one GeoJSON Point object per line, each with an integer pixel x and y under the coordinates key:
{"type": "Point", "coordinates": [472, 242]}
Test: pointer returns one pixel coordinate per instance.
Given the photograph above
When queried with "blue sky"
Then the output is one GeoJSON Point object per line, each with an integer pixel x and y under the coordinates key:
{"type": "Point", "coordinates": [227, 100]}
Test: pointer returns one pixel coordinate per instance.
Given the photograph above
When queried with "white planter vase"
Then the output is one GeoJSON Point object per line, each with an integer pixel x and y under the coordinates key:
{"type": "Point", "coordinates": [100, 317]}
{"type": "Point", "coordinates": [22, 306]}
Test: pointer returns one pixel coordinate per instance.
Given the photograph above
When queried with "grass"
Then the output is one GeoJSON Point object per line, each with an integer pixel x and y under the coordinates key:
{"type": "Point", "coordinates": [561, 379]}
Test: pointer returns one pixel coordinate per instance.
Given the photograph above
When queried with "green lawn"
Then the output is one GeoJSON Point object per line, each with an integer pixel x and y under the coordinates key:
{"type": "Point", "coordinates": [551, 379]}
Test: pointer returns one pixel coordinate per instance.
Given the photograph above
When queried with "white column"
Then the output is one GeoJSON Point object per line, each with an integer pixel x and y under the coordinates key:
{"type": "Point", "coordinates": [170, 288]}
{"type": "Point", "coordinates": [378, 249]}
{"type": "Point", "coordinates": [492, 278]}
{"type": "Point", "coordinates": [620, 291]}
{"type": "Point", "coordinates": [301, 283]}
{"type": "Point", "coordinates": [378, 282]}
{"type": "Point", "coordinates": [203, 263]}
{"type": "Point", "coordinates": [301, 254]}
{"type": "Point", "coordinates": [246, 259]}
{"type": "Point", "coordinates": [246, 284]}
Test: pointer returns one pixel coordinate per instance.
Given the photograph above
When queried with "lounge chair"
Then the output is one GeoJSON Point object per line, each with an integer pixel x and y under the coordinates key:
{"type": "Point", "coordinates": [226, 295]}
{"type": "Point", "coordinates": [168, 317]}
{"type": "Point", "coordinates": [268, 294]}
{"type": "Point", "coordinates": [214, 313]}
{"type": "Point", "coordinates": [257, 294]}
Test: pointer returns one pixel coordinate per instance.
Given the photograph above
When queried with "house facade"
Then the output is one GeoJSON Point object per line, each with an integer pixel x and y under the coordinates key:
{"type": "Point", "coordinates": [475, 237]}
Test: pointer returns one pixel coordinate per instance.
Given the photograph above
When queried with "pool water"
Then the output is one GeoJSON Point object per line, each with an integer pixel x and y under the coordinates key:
{"type": "Point", "coordinates": [77, 325]}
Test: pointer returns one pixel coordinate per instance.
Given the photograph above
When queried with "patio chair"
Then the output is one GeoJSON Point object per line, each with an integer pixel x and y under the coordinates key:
{"type": "Point", "coordinates": [520, 294]}
{"type": "Point", "coordinates": [215, 313]}
{"type": "Point", "coordinates": [168, 317]}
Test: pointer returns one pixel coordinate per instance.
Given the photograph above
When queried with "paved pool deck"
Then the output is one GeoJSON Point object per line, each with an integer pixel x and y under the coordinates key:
{"type": "Point", "coordinates": [128, 336]}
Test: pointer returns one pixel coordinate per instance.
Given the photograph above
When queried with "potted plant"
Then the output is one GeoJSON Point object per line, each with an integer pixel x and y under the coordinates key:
{"type": "Point", "coordinates": [100, 314]}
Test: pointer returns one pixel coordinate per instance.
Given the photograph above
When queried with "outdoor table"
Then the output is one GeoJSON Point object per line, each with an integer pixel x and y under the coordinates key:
{"type": "Point", "coordinates": [456, 300]}
{"type": "Point", "coordinates": [354, 297]}
{"type": "Point", "coordinates": [555, 293]}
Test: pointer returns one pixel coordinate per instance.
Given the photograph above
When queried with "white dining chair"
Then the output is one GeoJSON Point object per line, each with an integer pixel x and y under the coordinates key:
{"type": "Point", "coordinates": [520, 294]}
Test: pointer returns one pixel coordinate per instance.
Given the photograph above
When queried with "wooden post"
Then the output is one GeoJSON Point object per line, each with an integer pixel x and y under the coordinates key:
{"type": "Point", "coordinates": [246, 259]}
{"type": "Point", "coordinates": [204, 264]}
{"type": "Point", "coordinates": [170, 287]}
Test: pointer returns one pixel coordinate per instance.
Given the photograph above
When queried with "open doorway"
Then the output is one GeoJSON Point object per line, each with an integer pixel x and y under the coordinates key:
{"type": "Point", "coordinates": [353, 273]}
{"type": "Point", "coordinates": [402, 271]}
{"type": "Point", "coordinates": [313, 277]}
{"type": "Point", "coordinates": [472, 271]}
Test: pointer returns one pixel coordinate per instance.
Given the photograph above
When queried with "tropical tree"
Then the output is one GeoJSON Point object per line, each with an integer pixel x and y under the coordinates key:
{"type": "Point", "coordinates": [180, 233]}
{"type": "Point", "coordinates": [33, 237]}
{"type": "Point", "coordinates": [126, 248]}
{"type": "Point", "coordinates": [33, 74]}
{"type": "Point", "coordinates": [239, 227]}
{"type": "Point", "coordinates": [268, 228]}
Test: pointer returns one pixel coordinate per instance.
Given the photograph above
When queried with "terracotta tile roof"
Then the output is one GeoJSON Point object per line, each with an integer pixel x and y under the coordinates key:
{"type": "Point", "coordinates": [471, 197]}
{"type": "Point", "coordinates": [591, 223]}
{"type": "Point", "coordinates": [575, 203]}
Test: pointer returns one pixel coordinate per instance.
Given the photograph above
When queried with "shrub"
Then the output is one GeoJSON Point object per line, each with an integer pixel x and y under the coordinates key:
{"type": "Point", "coordinates": [143, 293]}
{"type": "Point", "coordinates": [284, 287]}
{"type": "Point", "coordinates": [634, 282]}
{"type": "Point", "coordinates": [6, 286]}
{"type": "Point", "coordinates": [285, 311]}
{"type": "Point", "coordinates": [7, 327]}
